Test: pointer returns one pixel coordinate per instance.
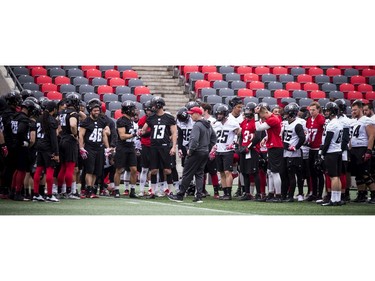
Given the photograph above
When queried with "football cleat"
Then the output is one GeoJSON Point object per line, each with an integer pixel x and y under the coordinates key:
{"type": "Point", "coordinates": [176, 198]}
{"type": "Point", "coordinates": [52, 199]}
{"type": "Point", "coordinates": [38, 198]}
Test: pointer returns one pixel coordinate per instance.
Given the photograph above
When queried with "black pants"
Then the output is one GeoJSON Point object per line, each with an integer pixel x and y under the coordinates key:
{"type": "Point", "coordinates": [194, 166]}
{"type": "Point", "coordinates": [317, 178]}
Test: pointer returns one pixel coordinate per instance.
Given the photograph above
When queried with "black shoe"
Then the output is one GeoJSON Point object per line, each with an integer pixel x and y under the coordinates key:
{"type": "Point", "coordinates": [311, 198]}
{"type": "Point", "coordinates": [225, 197]}
{"type": "Point", "coordinates": [197, 199]}
{"type": "Point", "coordinates": [277, 199]}
{"type": "Point", "coordinates": [150, 196]}
{"type": "Point", "coordinates": [19, 197]}
{"type": "Point", "coordinates": [330, 203]}
{"type": "Point", "coordinates": [133, 195]}
{"type": "Point", "coordinates": [371, 201]}
{"type": "Point", "coordinates": [360, 199]}
{"type": "Point", "coordinates": [270, 197]}
{"type": "Point", "coordinates": [245, 197]}
{"type": "Point", "coordinates": [289, 200]}
{"type": "Point", "coordinates": [238, 192]}
{"type": "Point", "coordinates": [176, 198]}
{"type": "Point", "coordinates": [325, 200]}
{"type": "Point", "coordinates": [117, 193]}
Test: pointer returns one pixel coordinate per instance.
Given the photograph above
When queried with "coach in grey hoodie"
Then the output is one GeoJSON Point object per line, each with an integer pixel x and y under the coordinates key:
{"type": "Point", "coordinates": [202, 138]}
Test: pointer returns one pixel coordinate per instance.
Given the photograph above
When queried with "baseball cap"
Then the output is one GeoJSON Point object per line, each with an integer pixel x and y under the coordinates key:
{"type": "Point", "coordinates": [195, 109]}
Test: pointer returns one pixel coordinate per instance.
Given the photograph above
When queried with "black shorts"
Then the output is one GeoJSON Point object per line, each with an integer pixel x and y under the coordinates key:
{"type": "Point", "coordinates": [94, 164]}
{"type": "Point", "coordinates": [293, 163]}
{"type": "Point", "coordinates": [210, 167]}
{"type": "Point", "coordinates": [306, 169]}
{"type": "Point", "coordinates": [145, 155]}
{"type": "Point", "coordinates": [31, 161]}
{"type": "Point", "coordinates": [333, 163]}
{"type": "Point", "coordinates": [160, 158]}
{"type": "Point", "coordinates": [68, 150]}
{"type": "Point", "coordinates": [125, 158]}
{"type": "Point", "coordinates": [357, 165]}
{"type": "Point", "coordinates": [251, 165]}
{"type": "Point", "coordinates": [44, 159]}
{"type": "Point", "coordinates": [224, 161]}
{"type": "Point", "coordinates": [275, 159]}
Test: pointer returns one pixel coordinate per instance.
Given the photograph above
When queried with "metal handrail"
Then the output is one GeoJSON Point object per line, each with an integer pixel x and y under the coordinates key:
{"type": "Point", "coordinates": [17, 83]}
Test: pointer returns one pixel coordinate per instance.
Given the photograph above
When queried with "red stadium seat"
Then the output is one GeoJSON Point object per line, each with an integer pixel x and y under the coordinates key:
{"type": "Point", "coordinates": [260, 70]}
{"type": "Point", "coordinates": [279, 94]}
{"type": "Point", "coordinates": [249, 77]}
{"type": "Point", "coordinates": [364, 88]}
{"type": "Point", "coordinates": [370, 95]}
{"type": "Point", "coordinates": [310, 86]}
{"type": "Point", "coordinates": [92, 73]}
{"type": "Point", "coordinates": [304, 78]}
{"type": "Point", "coordinates": [54, 95]}
{"type": "Point", "coordinates": [37, 71]}
{"type": "Point", "coordinates": [313, 71]}
{"type": "Point", "coordinates": [346, 87]}
{"type": "Point", "coordinates": [103, 89]}
{"type": "Point", "coordinates": [357, 79]}
{"type": "Point", "coordinates": [353, 95]}
{"type": "Point", "coordinates": [207, 68]}
{"type": "Point", "coordinates": [87, 67]}
{"type": "Point", "coordinates": [245, 92]}
{"type": "Point", "coordinates": [59, 80]}
{"type": "Point", "coordinates": [279, 70]}
{"type": "Point", "coordinates": [367, 72]}
{"type": "Point", "coordinates": [359, 67]}
{"type": "Point", "coordinates": [48, 87]}
{"type": "Point", "coordinates": [213, 76]}
{"type": "Point", "coordinates": [244, 69]}
{"type": "Point", "coordinates": [111, 73]}
{"type": "Point", "coordinates": [189, 68]}
{"type": "Point", "coordinates": [255, 85]}
{"type": "Point", "coordinates": [291, 86]}
{"type": "Point", "coordinates": [141, 90]}
{"type": "Point", "coordinates": [333, 72]}
{"type": "Point", "coordinates": [43, 79]}
{"type": "Point", "coordinates": [129, 74]}
{"type": "Point", "coordinates": [114, 82]}
{"type": "Point", "coordinates": [317, 94]}
{"type": "Point", "coordinates": [199, 84]}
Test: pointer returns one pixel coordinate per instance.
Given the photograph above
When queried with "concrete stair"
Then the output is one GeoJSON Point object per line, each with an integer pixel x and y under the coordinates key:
{"type": "Point", "coordinates": [160, 81]}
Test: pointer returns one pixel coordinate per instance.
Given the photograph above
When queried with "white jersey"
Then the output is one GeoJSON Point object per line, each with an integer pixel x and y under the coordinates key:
{"type": "Point", "coordinates": [359, 134]}
{"type": "Point", "coordinates": [211, 119]}
{"type": "Point", "coordinates": [305, 149]}
{"type": "Point", "coordinates": [238, 119]}
{"type": "Point", "coordinates": [186, 128]}
{"type": "Point", "coordinates": [225, 133]}
{"type": "Point", "coordinates": [291, 138]}
{"type": "Point", "coordinates": [346, 124]}
{"type": "Point", "coordinates": [372, 117]}
{"type": "Point", "coordinates": [336, 127]}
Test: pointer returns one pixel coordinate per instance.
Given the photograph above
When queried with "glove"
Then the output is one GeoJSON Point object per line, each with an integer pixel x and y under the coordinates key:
{"type": "Point", "coordinates": [367, 155]}
{"type": "Point", "coordinates": [180, 154]}
{"type": "Point", "coordinates": [107, 152]}
{"type": "Point", "coordinates": [292, 148]}
{"type": "Point", "coordinates": [319, 163]}
{"type": "Point", "coordinates": [231, 146]}
{"type": "Point", "coordinates": [212, 155]}
{"type": "Point", "coordinates": [83, 152]}
{"type": "Point", "coordinates": [25, 144]}
{"type": "Point", "coordinates": [139, 133]}
{"type": "Point", "coordinates": [4, 150]}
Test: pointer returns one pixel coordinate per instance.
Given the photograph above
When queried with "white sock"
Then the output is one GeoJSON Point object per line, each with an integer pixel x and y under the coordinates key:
{"type": "Point", "coordinates": [153, 187]}
{"type": "Point", "coordinates": [74, 187]}
{"type": "Point", "coordinates": [54, 188]}
{"type": "Point", "coordinates": [270, 182]}
{"type": "Point", "coordinates": [336, 196]}
{"type": "Point", "coordinates": [170, 187]}
{"type": "Point", "coordinates": [252, 189]}
{"type": "Point", "coordinates": [111, 185]}
{"type": "Point", "coordinates": [116, 188]}
{"type": "Point", "coordinates": [132, 186]}
{"type": "Point", "coordinates": [176, 186]}
{"type": "Point", "coordinates": [63, 188]}
{"type": "Point", "coordinates": [143, 179]}
{"type": "Point", "coordinates": [276, 182]}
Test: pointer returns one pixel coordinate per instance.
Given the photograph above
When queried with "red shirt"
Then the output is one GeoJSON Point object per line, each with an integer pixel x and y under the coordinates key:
{"type": "Point", "coordinates": [144, 140]}
{"type": "Point", "coordinates": [315, 128]}
{"type": "Point", "coordinates": [247, 131]}
{"type": "Point", "coordinates": [273, 133]}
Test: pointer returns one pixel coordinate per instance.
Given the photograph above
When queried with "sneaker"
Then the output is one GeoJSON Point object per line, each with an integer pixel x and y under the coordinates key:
{"type": "Point", "coordinates": [52, 199]}
{"type": "Point", "coordinates": [311, 198]}
{"type": "Point", "coordinates": [176, 198]}
{"type": "Point", "coordinates": [278, 199]}
{"type": "Point", "coordinates": [93, 196]}
{"type": "Point", "coordinates": [330, 203]}
{"type": "Point", "coordinates": [126, 192]}
{"type": "Point", "coordinates": [159, 194]}
{"type": "Point", "coordinates": [225, 197]}
{"type": "Point", "coordinates": [216, 195]}
{"type": "Point", "coordinates": [245, 197]}
{"type": "Point", "coordinates": [325, 200]}
{"type": "Point", "coordinates": [197, 200]}
{"type": "Point", "coordinates": [133, 195]}
{"type": "Point", "coordinates": [74, 196]}
{"type": "Point", "coordinates": [82, 194]}
{"type": "Point", "coordinates": [300, 198]}
{"type": "Point", "coordinates": [63, 196]}
{"type": "Point", "coordinates": [150, 196]}
{"type": "Point", "coordinates": [238, 192]}
{"type": "Point", "coordinates": [104, 192]}
{"type": "Point", "coordinates": [117, 193]}
{"type": "Point", "coordinates": [38, 198]}
{"type": "Point", "coordinates": [371, 201]}
{"type": "Point", "coordinates": [141, 194]}
{"type": "Point", "coordinates": [270, 197]}
{"type": "Point", "coordinates": [288, 200]}
{"type": "Point", "coordinates": [360, 199]}
{"type": "Point", "coordinates": [19, 197]}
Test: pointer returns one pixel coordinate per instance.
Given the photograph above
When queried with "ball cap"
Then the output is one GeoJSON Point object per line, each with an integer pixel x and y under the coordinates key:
{"type": "Point", "coordinates": [195, 109]}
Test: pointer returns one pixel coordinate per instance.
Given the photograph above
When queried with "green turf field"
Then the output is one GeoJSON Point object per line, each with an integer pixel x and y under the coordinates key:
{"type": "Point", "coordinates": [163, 206]}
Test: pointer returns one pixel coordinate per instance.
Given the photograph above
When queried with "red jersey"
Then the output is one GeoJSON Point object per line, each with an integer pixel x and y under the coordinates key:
{"type": "Point", "coordinates": [273, 133]}
{"type": "Point", "coordinates": [315, 128]}
{"type": "Point", "coordinates": [144, 140]}
{"type": "Point", "coordinates": [247, 131]}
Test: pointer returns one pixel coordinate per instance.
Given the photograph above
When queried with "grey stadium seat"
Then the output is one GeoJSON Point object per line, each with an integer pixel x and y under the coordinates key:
{"type": "Point", "coordinates": [98, 81]}
{"type": "Point", "coordinates": [114, 105]}
{"type": "Point", "coordinates": [25, 79]}
{"type": "Point", "coordinates": [321, 79]}
{"type": "Point", "coordinates": [226, 69]}
{"type": "Point", "coordinates": [56, 71]}
{"type": "Point", "coordinates": [77, 81]}
{"type": "Point", "coordinates": [261, 93]}
{"type": "Point", "coordinates": [85, 88]}
{"type": "Point", "coordinates": [295, 71]}
{"type": "Point", "coordinates": [323, 102]}
{"type": "Point", "coordinates": [123, 90]}
{"type": "Point", "coordinates": [144, 98]}
{"type": "Point", "coordinates": [349, 72]}
{"type": "Point", "coordinates": [250, 99]}
{"type": "Point", "coordinates": [336, 95]}
{"type": "Point", "coordinates": [305, 102]}
{"type": "Point", "coordinates": [110, 97]}
{"type": "Point", "coordinates": [124, 67]}
{"type": "Point", "coordinates": [65, 88]}
{"type": "Point", "coordinates": [327, 87]}
{"type": "Point", "coordinates": [20, 70]}
{"type": "Point", "coordinates": [207, 92]}
{"type": "Point", "coordinates": [285, 78]}
{"type": "Point", "coordinates": [89, 96]}
{"type": "Point", "coordinates": [235, 85]}
{"type": "Point", "coordinates": [218, 84]}
{"type": "Point", "coordinates": [232, 77]}
{"type": "Point", "coordinates": [269, 78]}
{"type": "Point", "coordinates": [74, 72]}
{"type": "Point", "coordinates": [275, 86]}
{"type": "Point", "coordinates": [131, 97]}
{"type": "Point", "coordinates": [299, 94]}
{"type": "Point", "coordinates": [31, 86]}
{"type": "Point", "coordinates": [339, 79]}
{"type": "Point", "coordinates": [269, 100]}
{"type": "Point", "coordinates": [214, 100]}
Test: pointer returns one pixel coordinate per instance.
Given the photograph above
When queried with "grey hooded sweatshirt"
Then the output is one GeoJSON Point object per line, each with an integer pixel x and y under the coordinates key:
{"type": "Point", "coordinates": [202, 137]}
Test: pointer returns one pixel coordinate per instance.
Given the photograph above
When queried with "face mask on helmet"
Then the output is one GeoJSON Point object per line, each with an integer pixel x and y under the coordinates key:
{"type": "Point", "coordinates": [331, 109]}
{"type": "Point", "coordinates": [128, 108]}
{"type": "Point", "coordinates": [221, 112]}
{"type": "Point", "coordinates": [182, 115]}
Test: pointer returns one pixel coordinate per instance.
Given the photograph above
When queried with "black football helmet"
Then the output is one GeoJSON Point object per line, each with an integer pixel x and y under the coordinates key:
{"type": "Point", "coordinates": [147, 106]}
{"type": "Point", "coordinates": [182, 114]}
{"type": "Point", "coordinates": [223, 111]}
{"type": "Point", "coordinates": [34, 99]}
{"type": "Point", "coordinates": [73, 100]}
{"type": "Point", "coordinates": [342, 106]}
{"type": "Point", "coordinates": [13, 99]}
{"type": "Point", "coordinates": [26, 93]}
{"type": "Point", "coordinates": [157, 102]}
{"type": "Point", "coordinates": [30, 106]}
{"type": "Point", "coordinates": [291, 110]}
{"type": "Point", "coordinates": [93, 103]}
{"type": "Point", "coordinates": [191, 104]}
{"type": "Point", "coordinates": [331, 109]}
{"type": "Point", "coordinates": [128, 107]}
{"type": "Point", "coordinates": [249, 109]}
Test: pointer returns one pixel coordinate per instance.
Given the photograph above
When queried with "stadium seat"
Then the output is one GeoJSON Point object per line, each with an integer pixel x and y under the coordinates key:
{"type": "Point", "coordinates": [213, 76]}
{"type": "Point", "coordinates": [299, 94]}
{"type": "Point", "coordinates": [129, 74]}
{"type": "Point", "coordinates": [37, 94]}
{"type": "Point", "coordinates": [349, 72]}
{"type": "Point", "coordinates": [339, 79]}
{"type": "Point", "coordinates": [371, 80]}
{"type": "Point", "coordinates": [333, 72]}
{"type": "Point", "coordinates": [227, 99]}
{"type": "Point", "coordinates": [104, 68]}
{"type": "Point", "coordinates": [304, 78]}
{"type": "Point", "coordinates": [250, 77]}
{"type": "Point", "coordinates": [214, 99]}
{"type": "Point", "coordinates": [245, 92]}
{"type": "Point", "coordinates": [114, 105]}
{"type": "Point", "coordinates": [269, 100]}
{"type": "Point", "coordinates": [111, 73]}
{"type": "Point", "coordinates": [246, 100]}
{"type": "Point", "coordinates": [74, 72]}
{"type": "Point", "coordinates": [199, 85]}
{"type": "Point", "coordinates": [54, 95]}
{"type": "Point", "coordinates": [66, 88]}
{"type": "Point", "coordinates": [20, 70]}
{"type": "Point", "coordinates": [130, 97]}
{"type": "Point", "coordinates": [98, 81]}
{"type": "Point", "coordinates": [85, 88]}
{"type": "Point", "coordinates": [31, 86]}
{"type": "Point", "coordinates": [291, 86]}
{"type": "Point", "coordinates": [123, 90]}
{"type": "Point", "coordinates": [77, 81]}
{"type": "Point", "coordinates": [305, 102]}
{"type": "Point", "coordinates": [122, 68]}
{"type": "Point", "coordinates": [89, 96]}
{"type": "Point", "coordinates": [48, 87]}
{"type": "Point", "coordinates": [141, 90]}
{"type": "Point", "coordinates": [189, 68]}
{"type": "Point", "coordinates": [279, 70]}
{"type": "Point", "coordinates": [323, 102]}
{"type": "Point", "coordinates": [138, 105]}
{"type": "Point", "coordinates": [255, 85]}
{"type": "Point", "coordinates": [144, 98]}
{"type": "Point", "coordinates": [87, 67]}
{"type": "Point", "coordinates": [92, 73]}
{"type": "Point", "coordinates": [43, 79]}
{"type": "Point", "coordinates": [116, 113]}
{"type": "Point", "coordinates": [60, 80]}
{"type": "Point", "coordinates": [207, 92]}
{"type": "Point", "coordinates": [272, 86]}
{"type": "Point", "coordinates": [368, 72]}
{"type": "Point", "coordinates": [225, 92]}
{"type": "Point", "coordinates": [25, 79]}
{"type": "Point", "coordinates": [346, 87]}
{"type": "Point", "coordinates": [364, 88]}
{"type": "Point", "coordinates": [335, 95]}
{"type": "Point", "coordinates": [220, 84]}
{"type": "Point", "coordinates": [268, 78]}
{"type": "Point", "coordinates": [235, 85]}
{"type": "Point", "coordinates": [321, 79]}
{"type": "Point", "coordinates": [285, 78]}
{"type": "Point", "coordinates": [261, 93]}
{"type": "Point", "coordinates": [232, 77]}
{"type": "Point", "coordinates": [314, 71]}
{"type": "Point", "coordinates": [327, 87]}
{"type": "Point", "coordinates": [243, 69]}
{"type": "Point", "coordinates": [279, 94]}
{"type": "Point", "coordinates": [208, 68]}
{"type": "Point", "coordinates": [370, 95]}
{"type": "Point", "coordinates": [260, 70]}
{"type": "Point", "coordinates": [104, 89]}
{"type": "Point", "coordinates": [357, 79]}
{"type": "Point", "coordinates": [135, 83]}
{"type": "Point", "coordinates": [108, 98]}
{"type": "Point", "coordinates": [310, 86]}
{"type": "Point", "coordinates": [67, 67]}
{"type": "Point", "coordinates": [116, 82]}
{"type": "Point", "coordinates": [56, 71]}
{"type": "Point", "coordinates": [37, 71]}
{"type": "Point", "coordinates": [353, 95]}
{"type": "Point", "coordinates": [194, 76]}
{"type": "Point", "coordinates": [226, 69]}
{"type": "Point", "coordinates": [295, 71]}
{"type": "Point", "coordinates": [317, 94]}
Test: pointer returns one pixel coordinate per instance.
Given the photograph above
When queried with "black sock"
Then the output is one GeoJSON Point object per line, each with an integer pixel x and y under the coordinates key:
{"type": "Point", "coordinates": [132, 190]}
{"type": "Point", "coordinates": [68, 189]}
{"type": "Point", "coordinates": [41, 189]}
{"type": "Point", "coordinates": [372, 194]}
{"type": "Point", "coordinates": [216, 189]}
{"type": "Point", "coordinates": [329, 195]}
{"type": "Point", "coordinates": [229, 191]}
{"type": "Point", "coordinates": [59, 188]}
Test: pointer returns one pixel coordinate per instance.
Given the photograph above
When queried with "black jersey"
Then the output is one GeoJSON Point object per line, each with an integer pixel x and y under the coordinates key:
{"type": "Point", "coordinates": [128, 124]}
{"type": "Point", "coordinates": [46, 138]}
{"type": "Point", "coordinates": [93, 138]}
{"type": "Point", "coordinates": [7, 116]}
{"type": "Point", "coordinates": [160, 129]}
{"type": "Point", "coordinates": [20, 126]}
{"type": "Point", "coordinates": [64, 119]}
